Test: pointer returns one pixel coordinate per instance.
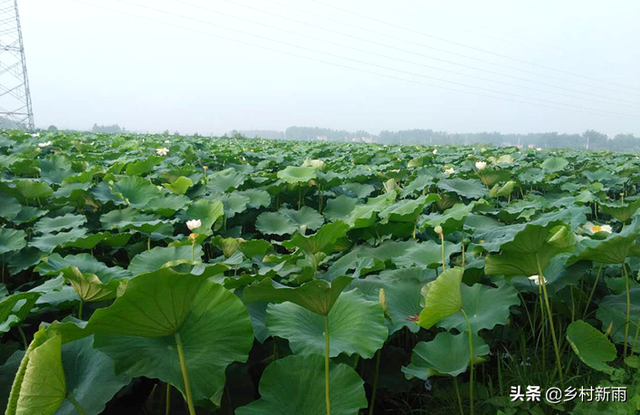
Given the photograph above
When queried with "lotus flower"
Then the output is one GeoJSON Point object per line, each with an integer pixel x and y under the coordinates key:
{"type": "Point", "coordinates": [35, 135]}
{"type": "Point", "coordinates": [481, 165]}
{"type": "Point", "coordinates": [193, 224]}
{"type": "Point", "coordinates": [537, 279]}
{"type": "Point", "coordinates": [538, 149]}
{"type": "Point", "coordinates": [593, 228]}
{"type": "Point", "coordinates": [162, 151]}
{"type": "Point", "coordinates": [435, 151]}
{"type": "Point", "coordinates": [449, 171]}
{"type": "Point", "coordinates": [45, 144]}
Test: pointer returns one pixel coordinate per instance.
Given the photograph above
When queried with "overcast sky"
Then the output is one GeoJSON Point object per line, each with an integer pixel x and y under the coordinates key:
{"type": "Point", "coordinates": [563, 66]}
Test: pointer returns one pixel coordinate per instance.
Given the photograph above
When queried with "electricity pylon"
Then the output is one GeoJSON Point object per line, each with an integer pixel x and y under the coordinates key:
{"type": "Point", "coordinates": [15, 98]}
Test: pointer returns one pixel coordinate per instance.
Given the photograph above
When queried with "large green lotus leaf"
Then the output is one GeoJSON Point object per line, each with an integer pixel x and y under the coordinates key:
{"type": "Point", "coordinates": [303, 392]}
{"type": "Point", "coordinates": [621, 211]}
{"type": "Point", "coordinates": [339, 208]}
{"type": "Point", "coordinates": [426, 254]}
{"type": "Point", "coordinates": [402, 298]}
{"type": "Point", "coordinates": [275, 223]}
{"type": "Point", "coordinates": [142, 166]}
{"type": "Point", "coordinates": [443, 297]}
{"type": "Point", "coordinates": [68, 221]}
{"type": "Point", "coordinates": [257, 198]}
{"type": "Point", "coordinates": [208, 212]}
{"type": "Point", "coordinates": [30, 189]}
{"type": "Point", "coordinates": [471, 188]}
{"type": "Point", "coordinates": [363, 216]}
{"type": "Point", "coordinates": [89, 287]}
{"type": "Point", "coordinates": [135, 190]}
{"type": "Point", "coordinates": [49, 242]}
{"type": "Point", "coordinates": [591, 346]}
{"type": "Point", "coordinates": [39, 386]}
{"type": "Point", "coordinates": [417, 185]}
{"type": "Point", "coordinates": [358, 190]}
{"type": "Point", "coordinates": [89, 241]}
{"type": "Point", "coordinates": [86, 368]}
{"type": "Point", "coordinates": [234, 203]}
{"type": "Point", "coordinates": [28, 214]}
{"type": "Point", "coordinates": [486, 307]}
{"type": "Point", "coordinates": [612, 310]}
{"type": "Point", "coordinates": [306, 216]}
{"type": "Point", "coordinates": [180, 185]}
{"type": "Point", "coordinates": [615, 249]}
{"type": "Point", "coordinates": [530, 250]}
{"type": "Point", "coordinates": [502, 191]}
{"type": "Point", "coordinates": [254, 247]}
{"type": "Point", "coordinates": [452, 219]}
{"type": "Point", "coordinates": [446, 354]}
{"type": "Point", "coordinates": [293, 175]}
{"type": "Point", "coordinates": [318, 296]}
{"type": "Point", "coordinates": [140, 330]}
{"type": "Point", "coordinates": [54, 169]}
{"type": "Point", "coordinates": [356, 326]}
{"type": "Point", "coordinates": [54, 264]}
{"type": "Point", "coordinates": [322, 241]}
{"type": "Point", "coordinates": [168, 205]}
{"type": "Point", "coordinates": [407, 210]}
{"type": "Point", "coordinates": [11, 240]}
{"type": "Point", "coordinates": [129, 218]}
{"type": "Point", "coordinates": [225, 180]}
{"type": "Point", "coordinates": [554, 164]}
{"type": "Point", "coordinates": [10, 207]}
{"type": "Point", "coordinates": [157, 257]}
{"type": "Point", "coordinates": [15, 308]}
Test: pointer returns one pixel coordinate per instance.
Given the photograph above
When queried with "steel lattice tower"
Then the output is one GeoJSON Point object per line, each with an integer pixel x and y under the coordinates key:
{"type": "Point", "coordinates": [15, 98]}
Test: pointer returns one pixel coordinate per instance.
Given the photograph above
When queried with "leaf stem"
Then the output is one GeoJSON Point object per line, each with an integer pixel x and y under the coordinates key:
{"type": "Point", "coordinates": [593, 290]}
{"type": "Point", "coordinates": [628, 318]}
{"type": "Point", "coordinates": [470, 360]}
{"type": "Point", "coordinates": [185, 375]}
{"type": "Point", "coordinates": [167, 400]}
{"type": "Point", "coordinates": [375, 382]}
{"type": "Point", "coordinates": [76, 405]}
{"type": "Point", "coordinates": [543, 284]}
{"type": "Point", "coordinates": [326, 364]}
{"type": "Point", "coordinates": [24, 338]}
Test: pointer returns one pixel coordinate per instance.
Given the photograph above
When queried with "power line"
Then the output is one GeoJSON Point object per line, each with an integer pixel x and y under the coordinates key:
{"type": "Point", "coordinates": [429, 47]}
{"type": "Point", "coordinates": [339, 64]}
{"type": "Point", "coordinates": [398, 59]}
{"type": "Point", "coordinates": [468, 46]}
{"type": "Point", "coordinates": [371, 64]}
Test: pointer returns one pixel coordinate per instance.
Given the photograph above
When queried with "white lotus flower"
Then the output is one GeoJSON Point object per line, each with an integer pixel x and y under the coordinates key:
{"type": "Point", "coordinates": [35, 135]}
{"type": "Point", "coordinates": [162, 151]}
{"type": "Point", "coordinates": [538, 149]}
{"type": "Point", "coordinates": [449, 171]}
{"type": "Point", "coordinates": [193, 224]}
{"type": "Point", "coordinates": [435, 151]}
{"type": "Point", "coordinates": [167, 141]}
{"type": "Point", "coordinates": [537, 279]}
{"type": "Point", "coordinates": [481, 165]}
{"type": "Point", "coordinates": [593, 228]}
{"type": "Point", "coordinates": [45, 144]}
{"type": "Point", "coordinates": [530, 146]}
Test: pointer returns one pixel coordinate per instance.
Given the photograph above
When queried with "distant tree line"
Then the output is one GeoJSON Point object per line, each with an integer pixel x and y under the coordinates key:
{"type": "Point", "coordinates": [115, 128]}
{"type": "Point", "coordinates": [590, 139]}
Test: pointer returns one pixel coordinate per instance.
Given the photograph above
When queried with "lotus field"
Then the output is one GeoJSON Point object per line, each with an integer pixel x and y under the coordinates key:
{"type": "Point", "coordinates": [156, 274]}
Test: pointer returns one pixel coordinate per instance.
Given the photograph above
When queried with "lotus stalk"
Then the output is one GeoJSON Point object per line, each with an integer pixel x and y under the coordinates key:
{"type": "Point", "coordinates": [556, 348]}
{"type": "Point", "coordinates": [185, 375]}
{"type": "Point", "coordinates": [628, 310]}
{"type": "Point", "coordinates": [466, 319]}
{"type": "Point", "coordinates": [326, 364]}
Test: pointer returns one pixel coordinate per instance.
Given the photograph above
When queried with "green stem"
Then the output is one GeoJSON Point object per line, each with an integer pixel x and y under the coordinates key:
{"type": "Point", "coordinates": [593, 290]}
{"type": "Point", "coordinates": [628, 319]}
{"type": "Point", "coordinates": [455, 383]}
{"type": "Point", "coordinates": [185, 375]}
{"type": "Point", "coordinates": [76, 405]}
{"type": "Point", "coordinates": [149, 243]}
{"type": "Point", "coordinates": [167, 400]}
{"type": "Point", "coordinates": [470, 361]}
{"type": "Point", "coordinates": [80, 309]}
{"type": "Point", "coordinates": [24, 338]}
{"type": "Point", "coordinates": [375, 382]}
{"type": "Point", "coordinates": [543, 283]}
{"type": "Point", "coordinates": [192, 251]}
{"type": "Point", "coordinates": [444, 266]}
{"type": "Point", "coordinates": [326, 364]}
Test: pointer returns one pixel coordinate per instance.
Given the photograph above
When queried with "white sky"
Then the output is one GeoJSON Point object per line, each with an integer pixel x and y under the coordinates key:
{"type": "Point", "coordinates": [90, 65]}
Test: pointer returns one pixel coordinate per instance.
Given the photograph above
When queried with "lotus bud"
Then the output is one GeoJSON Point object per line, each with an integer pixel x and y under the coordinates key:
{"type": "Point", "coordinates": [608, 332]}
{"type": "Point", "coordinates": [383, 302]}
{"type": "Point", "coordinates": [438, 230]}
{"type": "Point", "coordinates": [303, 229]}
